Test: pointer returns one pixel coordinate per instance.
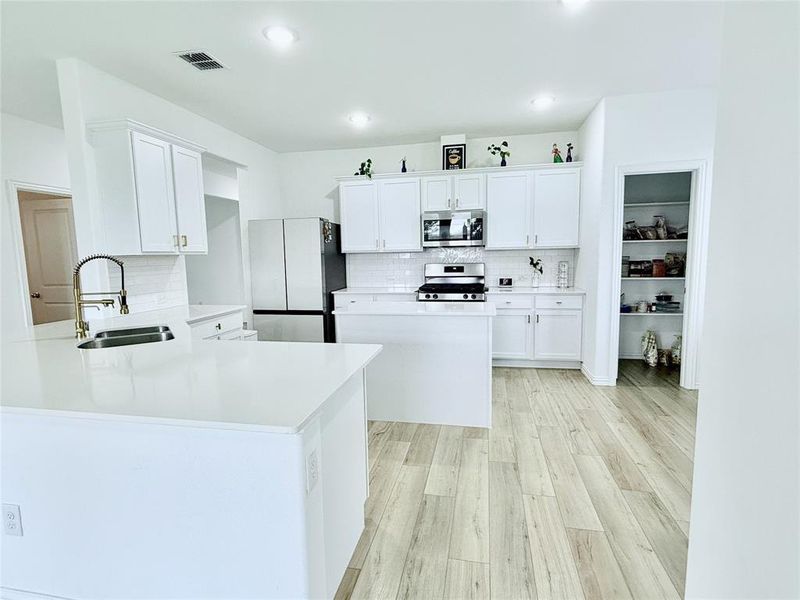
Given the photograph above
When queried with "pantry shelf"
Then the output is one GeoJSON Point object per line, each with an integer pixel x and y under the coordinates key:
{"type": "Point", "coordinates": [653, 278]}
{"type": "Point", "coordinates": [654, 241]}
{"type": "Point", "coordinates": [648, 204]}
{"type": "Point", "coordinates": [651, 314]}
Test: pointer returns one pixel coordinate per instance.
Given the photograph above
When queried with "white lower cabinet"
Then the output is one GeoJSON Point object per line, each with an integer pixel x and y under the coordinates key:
{"type": "Point", "coordinates": [557, 334]}
{"type": "Point", "coordinates": [226, 327]}
{"type": "Point", "coordinates": [511, 334]}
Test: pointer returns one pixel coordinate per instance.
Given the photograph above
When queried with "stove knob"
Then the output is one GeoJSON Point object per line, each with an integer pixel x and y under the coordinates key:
{"type": "Point", "coordinates": [474, 296]}
{"type": "Point", "coordinates": [427, 296]}
{"type": "Point", "coordinates": [466, 296]}
{"type": "Point", "coordinates": [435, 296]}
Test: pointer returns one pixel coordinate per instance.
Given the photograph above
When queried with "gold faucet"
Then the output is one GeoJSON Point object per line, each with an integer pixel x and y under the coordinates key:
{"type": "Point", "coordinates": [81, 326]}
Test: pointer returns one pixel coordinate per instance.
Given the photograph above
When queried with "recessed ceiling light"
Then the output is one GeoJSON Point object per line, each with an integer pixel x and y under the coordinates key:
{"type": "Point", "coordinates": [280, 36]}
{"type": "Point", "coordinates": [359, 119]}
{"type": "Point", "coordinates": [542, 102]}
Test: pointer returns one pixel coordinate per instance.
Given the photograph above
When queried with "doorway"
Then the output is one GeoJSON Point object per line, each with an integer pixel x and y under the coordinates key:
{"type": "Point", "coordinates": [50, 252]}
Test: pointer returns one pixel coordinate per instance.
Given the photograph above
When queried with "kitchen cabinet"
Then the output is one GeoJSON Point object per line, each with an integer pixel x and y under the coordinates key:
{"type": "Point", "coordinates": [150, 186]}
{"type": "Point", "coordinates": [556, 204]}
{"type": "Point", "coordinates": [557, 334]}
{"type": "Point", "coordinates": [453, 192]}
{"type": "Point", "coordinates": [508, 210]}
{"type": "Point", "coordinates": [225, 327]}
{"type": "Point", "coordinates": [511, 336]}
{"type": "Point", "coordinates": [380, 216]}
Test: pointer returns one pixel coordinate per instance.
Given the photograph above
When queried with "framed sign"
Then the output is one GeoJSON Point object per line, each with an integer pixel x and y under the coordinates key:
{"type": "Point", "coordinates": [454, 157]}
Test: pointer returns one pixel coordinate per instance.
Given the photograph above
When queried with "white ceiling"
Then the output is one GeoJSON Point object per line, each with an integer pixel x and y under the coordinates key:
{"type": "Point", "coordinates": [420, 69]}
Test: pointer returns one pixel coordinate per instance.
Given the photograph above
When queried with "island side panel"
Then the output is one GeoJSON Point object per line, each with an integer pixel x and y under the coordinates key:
{"type": "Point", "coordinates": [119, 509]}
{"type": "Point", "coordinates": [335, 454]}
{"type": "Point", "coordinates": [433, 369]}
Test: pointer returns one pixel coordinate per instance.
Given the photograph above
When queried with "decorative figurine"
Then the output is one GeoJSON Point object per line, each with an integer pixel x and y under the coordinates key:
{"type": "Point", "coordinates": [650, 348]}
{"type": "Point", "coordinates": [365, 168]}
{"type": "Point", "coordinates": [403, 167]}
{"type": "Point", "coordinates": [557, 154]}
{"type": "Point", "coordinates": [502, 150]}
{"type": "Point", "coordinates": [569, 151]}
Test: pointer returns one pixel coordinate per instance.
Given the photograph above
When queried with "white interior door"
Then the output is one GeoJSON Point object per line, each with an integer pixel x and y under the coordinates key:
{"type": "Point", "coordinates": [358, 208]}
{"type": "Point", "coordinates": [470, 190]}
{"type": "Point", "coordinates": [303, 250]}
{"type": "Point", "coordinates": [557, 335]}
{"type": "Point", "coordinates": [508, 199]}
{"type": "Point", "coordinates": [187, 171]}
{"type": "Point", "coordinates": [556, 204]}
{"type": "Point", "coordinates": [399, 209]}
{"type": "Point", "coordinates": [48, 235]}
{"type": "Point", "coordinates": [511, 334]}
{"type": "Point", "coordinates": [437, 193]}
{"type": "Point", "coordinates": [154, 194]}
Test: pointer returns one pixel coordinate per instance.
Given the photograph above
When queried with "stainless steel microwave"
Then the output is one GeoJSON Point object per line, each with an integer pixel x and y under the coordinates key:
{"type": "Point", "coordinates": [454, 228]}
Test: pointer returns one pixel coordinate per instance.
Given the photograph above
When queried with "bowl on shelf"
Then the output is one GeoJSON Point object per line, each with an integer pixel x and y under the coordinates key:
{"type": "Point", "coordinates": [662, 297]}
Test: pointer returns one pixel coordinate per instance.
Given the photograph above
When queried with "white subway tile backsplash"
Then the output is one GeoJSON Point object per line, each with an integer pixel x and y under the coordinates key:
{"type": "Point", "coordinates": [405, 269]}
{"type": "Point", "coordinates": [153, 282]}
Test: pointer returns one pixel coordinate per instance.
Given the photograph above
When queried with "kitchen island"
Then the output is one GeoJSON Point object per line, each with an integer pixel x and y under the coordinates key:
{"type": "Point", "coordinates": [436, 364]}
{"type": "Point", "coordinates": [183, 468]}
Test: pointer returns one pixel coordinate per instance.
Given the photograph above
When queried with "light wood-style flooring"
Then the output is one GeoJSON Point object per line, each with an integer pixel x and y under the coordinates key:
{"type": "Point", "coordinates": [576, 492]}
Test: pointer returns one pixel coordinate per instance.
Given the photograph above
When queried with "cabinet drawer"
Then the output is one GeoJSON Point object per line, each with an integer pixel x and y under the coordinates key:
{"type": "Point", "coordinates": [575, 302]}
{"type": "Point", "coordinates": [214, 327]}
{"type": "Point", "coordinates": [510, 301]}
{"type": "Point", "coordinates": [395, 297]}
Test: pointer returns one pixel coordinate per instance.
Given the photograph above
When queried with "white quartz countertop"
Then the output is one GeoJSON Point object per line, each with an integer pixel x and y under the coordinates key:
{"type": "Point", "coordinates": [570, 291]}
{"type": "Point", "coordinates": [423, 309]}
{"type": "Point", "coordinates": [275, 387]}
{"type": "Point", "coordinates": [378, 290]}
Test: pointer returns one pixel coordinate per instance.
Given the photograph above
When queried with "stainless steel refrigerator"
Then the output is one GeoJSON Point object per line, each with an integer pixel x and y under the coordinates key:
{"type": "Point", "coordinates": [295, 265]}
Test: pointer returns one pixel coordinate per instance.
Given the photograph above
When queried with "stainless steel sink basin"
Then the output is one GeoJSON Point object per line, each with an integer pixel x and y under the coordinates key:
{"type": "Point", "coordinates": [132, 331]}
{"type": "Point", "coordinates": [126, 340]}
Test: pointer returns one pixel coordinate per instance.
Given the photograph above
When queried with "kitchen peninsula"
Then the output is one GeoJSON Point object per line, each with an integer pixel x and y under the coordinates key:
{"type": "Point", "coordinates": [164, 458]}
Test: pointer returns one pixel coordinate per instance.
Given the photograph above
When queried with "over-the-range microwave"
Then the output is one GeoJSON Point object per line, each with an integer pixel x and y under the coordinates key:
{"type": "Point", "coordinates": [454, 228]}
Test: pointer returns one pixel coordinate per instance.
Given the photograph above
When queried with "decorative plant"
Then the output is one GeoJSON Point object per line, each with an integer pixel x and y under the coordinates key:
{"type": "Point", "coordinates": [502, 150]}
{"type": "Point", "coordinates": [537, 264]}
{"type": "Point", "coordinates": [365, 168]}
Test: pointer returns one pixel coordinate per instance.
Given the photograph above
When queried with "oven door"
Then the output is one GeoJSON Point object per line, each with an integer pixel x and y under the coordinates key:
{"type": "Point", "coordinates": [453, 228]}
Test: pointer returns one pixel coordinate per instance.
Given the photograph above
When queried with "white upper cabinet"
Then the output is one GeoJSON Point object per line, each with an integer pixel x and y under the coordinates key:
{"type": "Point", "coordinates": [556, 207]}
{"type": "Point", "coordinates": [469, 190]}
{"type": "Point", "coordinates": [358, 211]}
{"type": "Point", "coordinates": [380, 216]}
{"type": "Point", "coordinates": [453, 192]}
{"type": "Point", "coordinates": [150, 185]}
{"type": "Point", "coordinates": [399, 210]}
{"type": "Point", "coordinates": [508, 202]}
{"type": "Point", "coordinates": [187, 172]}
{"type": "Point", "coordinates": [155, 196]}
{"type": "Point", "coordinates": [437, 193]}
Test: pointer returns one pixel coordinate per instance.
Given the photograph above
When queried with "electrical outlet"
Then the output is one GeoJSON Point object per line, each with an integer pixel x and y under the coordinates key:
{"type": "Point", "coordinates": [12, 521]}
{"type": "Point", "coordinates": [312, 470]}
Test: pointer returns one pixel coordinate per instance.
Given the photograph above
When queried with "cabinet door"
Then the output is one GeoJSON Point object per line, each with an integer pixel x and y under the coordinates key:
{"type": "Point", "coordinates": [154, 194]}
{"type": "Point", "coordinates": [437, 193]}
{"type": "Point", "coordinates": [557, 335]}
{"type": "Point", "coordinates": [190, 204]}
{"type": "Point", "coordinates": [399, 209]}
{"type": "Point", "coordinates": [556, 203]}
{"type": "Point", "coordinates": [508, 199]}
{"type": "Point", "coordinates": [511, 334]}
{"type": "Point", "coordinates": [358, 210]}
{"type": "Point", "coordinates": [470, 190]}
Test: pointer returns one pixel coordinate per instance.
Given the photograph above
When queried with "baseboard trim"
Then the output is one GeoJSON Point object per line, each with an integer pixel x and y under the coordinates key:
{"type": "Point", "coordinates": [7, 593]}
{"type": "Point", "coordinates": [535, 364]}
{"type": "Point", "coordinates": [599, 381]}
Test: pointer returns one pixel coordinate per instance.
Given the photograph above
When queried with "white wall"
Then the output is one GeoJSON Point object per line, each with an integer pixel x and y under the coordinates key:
{"type": "Point", "coordinates": [88, 94]}
{"type": "Point", "coordinates": [745, 534]}
{"type": "Point", "coordinates": [30, 153]}
{"type": "Point", "coordinates": [308, 179]}
{"type": "Point", "coordinates": [638, 129]}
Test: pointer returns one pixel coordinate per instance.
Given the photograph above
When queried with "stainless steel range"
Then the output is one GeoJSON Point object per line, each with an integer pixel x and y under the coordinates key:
{"type": "Point", "coordinates": [453, 283]}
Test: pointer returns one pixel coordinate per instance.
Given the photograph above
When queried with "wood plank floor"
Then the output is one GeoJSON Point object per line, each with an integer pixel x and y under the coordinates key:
{"type": "Point", "coordinates": [576, 492]}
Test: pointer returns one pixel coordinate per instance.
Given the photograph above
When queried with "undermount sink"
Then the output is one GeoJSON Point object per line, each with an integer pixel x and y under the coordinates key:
{"type": "Point", "coordinates": [128, 337]}
{"type": "Point", "coordinates": [134, 331]}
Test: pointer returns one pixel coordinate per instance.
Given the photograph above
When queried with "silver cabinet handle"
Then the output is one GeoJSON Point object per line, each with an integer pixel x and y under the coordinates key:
{"type": "Point", "coordinates": [377, 244]}
{"type": "Point", "coordinates": [219, 326]}
{"type": "Point", "coordinates": [456, 202]}
{"type": "Point", "coordinates": [527, 240]}
{"type": "Point", "coordinates": [448, 203]}
{"type": "Point", "coordinates": [537, 318]}
{"type": "Point", "coordinates": [529, 318]}
{"type": "Point", "coordinates": [559, 302]}
{"type": "Point", "coordinates": [535, 239]}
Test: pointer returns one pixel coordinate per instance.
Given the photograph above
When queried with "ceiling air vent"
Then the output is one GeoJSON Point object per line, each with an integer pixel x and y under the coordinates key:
{"type": "Point", "coordinates": [200, 60]}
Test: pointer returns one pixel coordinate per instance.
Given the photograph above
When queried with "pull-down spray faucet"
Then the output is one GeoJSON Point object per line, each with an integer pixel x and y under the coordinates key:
{"type": "Point", "coordinates": [81, 326]}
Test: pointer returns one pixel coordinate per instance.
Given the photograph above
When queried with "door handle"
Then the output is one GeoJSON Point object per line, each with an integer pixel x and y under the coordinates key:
{"type": "Point", "coordinates": [35, 295]}
{"type": "Point", "coordinates": [184, 241]}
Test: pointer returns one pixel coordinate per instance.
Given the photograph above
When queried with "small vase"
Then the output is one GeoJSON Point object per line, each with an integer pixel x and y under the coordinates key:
{"type": "Point", "coordinates": [502, 161]}
{"type": "Point", "coordinates": [535, 279]}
